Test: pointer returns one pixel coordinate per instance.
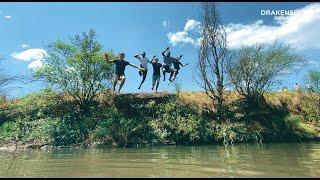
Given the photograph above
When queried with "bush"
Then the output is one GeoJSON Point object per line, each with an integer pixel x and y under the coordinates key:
{"type": "Point", "coordinates": [299, 130]}
{"type": "Point", "coordinates": [310, 107]}
{"type": "Point", "coordinates": [180, 124]}
{"type": "Point", "coordinates": [114, 129]}
{"type": "Point", "coordinates": [69, 130]}
{"type": "Point", "coordinates": [231, 132]}
{"type": "Point", "coordinates": [8, 132]}
{"type": "Point", "coordinates": [26, 131]}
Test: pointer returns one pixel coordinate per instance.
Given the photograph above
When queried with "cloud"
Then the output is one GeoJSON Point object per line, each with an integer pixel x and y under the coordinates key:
{"type": "Point", "coordinates": [35, 56]}
{"type": "Point", "coordinates": [35, 64]}
{"type": "Point", "coordinates": [191, 24]}
{"type": "Point", "coordinates": [25, 46]}
{"type": "Point", "coordinates": [7, 17]}
{"type": "Point", "coordinates": [301, 30]}
{"type": "Point", "coordinates": [184, 36]}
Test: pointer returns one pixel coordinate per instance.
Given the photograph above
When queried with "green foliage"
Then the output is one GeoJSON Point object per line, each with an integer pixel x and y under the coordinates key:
{"type": "Point", "coordinates": [314, 77]}
{"type": "Point", "coordinates": [310, 107]}
{"type": "Point", "coordinates": [254, 69]}
{"type": "Point", "coordinates": [180, 124]}
{"type": "Point", "coordinates": [300, 130]}
{"type": "Point", "coordinates": [77, 68]}
{"type": "Point", "coordinates": [69, 131]}
{"type": "Point", "coordinates": [42, 118]}
{"type": "Point", "coordinates": [38, 131]}
{"type": "Point", "coordinates": [117, 130]}
{"type": "Point", "coordinates": [230, 132]}
{"type": "Point", "coordinates": [8, 131]}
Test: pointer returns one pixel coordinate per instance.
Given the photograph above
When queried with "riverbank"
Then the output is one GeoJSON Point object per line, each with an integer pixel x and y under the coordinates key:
{"type": "Point", "coordinates": [184, 118]}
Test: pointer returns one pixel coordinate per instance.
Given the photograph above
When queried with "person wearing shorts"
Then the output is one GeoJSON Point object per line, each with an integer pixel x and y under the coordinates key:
{"type": "Point", "coordinates": [143, 64]}
{"type": "Point", "coordinates": [167, 62]}
{"type": "Point", "coordinates": [119, 70]}
{"type": "Point", "coordinates": [176, 68]}
{"type": "Point", "coordinates": [156, 73]}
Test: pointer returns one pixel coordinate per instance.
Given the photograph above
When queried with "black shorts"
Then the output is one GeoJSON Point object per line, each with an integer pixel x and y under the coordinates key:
{"type": "Point", "coordinates": [167, 68]}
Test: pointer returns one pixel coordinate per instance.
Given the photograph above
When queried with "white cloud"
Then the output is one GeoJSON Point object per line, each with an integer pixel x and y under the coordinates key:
{"type": "Point", "coordinates": [36, 56]}
{"type": "Point", "coordinates": [191, 24]}
{"type": "Point", "coordinates": [184, 36]}
{"type": "Point", "coordinates": [25, 46]}
{"type": "Point", "coordinates": [35, 64]}
{"type": "Point", "coordinates": [300, 29]}
{"type": "Point", "coordinates": [7, 17]}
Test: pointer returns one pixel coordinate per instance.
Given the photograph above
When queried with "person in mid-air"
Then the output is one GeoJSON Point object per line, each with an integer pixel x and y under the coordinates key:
{"type": "Point", "coordinates": [119, 75]}
{"type": "Point", "coordinates": [167, 62]}
{"type": "Point", "coordinates": [156, 72]}
{"type": "Point", "coordinates": [143, 64]}
{"type": "Point", "coordinates": [176, 68]}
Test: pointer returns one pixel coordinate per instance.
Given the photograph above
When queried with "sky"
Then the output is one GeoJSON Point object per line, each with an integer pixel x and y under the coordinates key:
{"type": "Point", "coordinates": [26, 28]}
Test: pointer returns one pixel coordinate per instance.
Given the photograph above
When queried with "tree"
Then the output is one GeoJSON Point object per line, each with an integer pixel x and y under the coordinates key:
{"type": "Point", "coordinates": [314, 77]}
{"type": "Point", "coordinates": [77, 68]}
{"type": "Point", "coordinates": [212, 56]}
{"type": "Point", "coordinates": [254, 69]}
{"type": "Point", "coordinates": [5, 79]}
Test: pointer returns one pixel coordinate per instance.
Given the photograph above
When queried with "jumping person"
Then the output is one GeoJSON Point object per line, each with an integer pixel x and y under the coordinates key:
{"type": "Point", "coordinates": [119, 70]}
{"type": "Point", "coordinates": [176, 68]}
{"type": "Point", "coordinates": [167, 62]}
{"type": "Point", "coordinates": [156, 72]}
{"type": "Point", "coordinates": [143, 64]}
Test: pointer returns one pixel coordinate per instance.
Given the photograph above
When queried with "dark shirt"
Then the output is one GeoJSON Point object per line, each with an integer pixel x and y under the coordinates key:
{"type": "Point", "coordinates": [156, 68]}
{"type": "Point", "coordinates": [176, 64]}
{"type": "Point", "coordinates": [120, 67]}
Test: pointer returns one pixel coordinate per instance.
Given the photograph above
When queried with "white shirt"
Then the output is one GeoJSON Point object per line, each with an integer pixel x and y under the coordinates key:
{"type": "Point", "coordinates": [144, 62]}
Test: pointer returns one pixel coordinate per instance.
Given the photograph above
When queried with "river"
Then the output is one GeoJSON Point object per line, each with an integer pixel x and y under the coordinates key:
{"type": "Point", "coordinates": [239, 160]}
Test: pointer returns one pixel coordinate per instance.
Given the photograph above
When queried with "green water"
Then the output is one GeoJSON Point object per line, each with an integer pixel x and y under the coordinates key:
{"type": "Point", "coordinates": [243, 160]}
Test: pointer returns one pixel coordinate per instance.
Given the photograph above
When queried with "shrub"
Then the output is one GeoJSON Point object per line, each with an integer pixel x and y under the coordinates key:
{"type": "Point", "coordinates": [231, 132]}
{"type": "Point", "coordinates": [299, 130]}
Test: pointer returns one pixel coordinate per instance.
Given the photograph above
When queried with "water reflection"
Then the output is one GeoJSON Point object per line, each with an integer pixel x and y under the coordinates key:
{"type": "Point", "coordinates": [243, 160]}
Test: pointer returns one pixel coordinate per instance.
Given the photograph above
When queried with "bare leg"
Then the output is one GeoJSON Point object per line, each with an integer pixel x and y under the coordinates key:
{"type": "Point", "coordinates": [123, 79]}
{"type": "Point", "coordinates": [171, 74]}
{"type": "Point", "coordinates": [157, 84]}
{"type": "Point", "coordinates": [153, 83]}
{"type": "Point", "coordinates": [175, 75]}
{"type": "Point", "coordinates": [115, 80]}
{"type": "Point", "coordinates": [164, 75]}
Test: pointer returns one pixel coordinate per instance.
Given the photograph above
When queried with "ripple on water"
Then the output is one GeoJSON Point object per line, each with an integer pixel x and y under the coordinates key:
{"type": "Point", "coordinates": [269, 160]}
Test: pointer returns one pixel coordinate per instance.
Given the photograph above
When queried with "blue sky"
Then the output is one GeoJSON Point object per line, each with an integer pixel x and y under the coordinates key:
{"type": "Point", "coordinates": [25, 29]}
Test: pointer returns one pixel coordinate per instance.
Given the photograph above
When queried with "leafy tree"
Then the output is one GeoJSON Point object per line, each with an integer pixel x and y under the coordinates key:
{"type": "Point", "coordinates": [254, 69]}
{"type": "Point", "coordinates": [314, 77]}
{"type": "Point", "coordinates": [77, 68]}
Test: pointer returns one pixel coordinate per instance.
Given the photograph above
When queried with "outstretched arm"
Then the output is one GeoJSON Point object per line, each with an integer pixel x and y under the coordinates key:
{"type": "Point", "coordinates": [152, 59]}
{"type": "Point", "coordinates": [180, 57]}
{"type": "Point", "coordinates": [132, 65]}
{"type": "Point", "coordinates": [163, 53]}
{"type": "Point", "coordinates": [184, 65]}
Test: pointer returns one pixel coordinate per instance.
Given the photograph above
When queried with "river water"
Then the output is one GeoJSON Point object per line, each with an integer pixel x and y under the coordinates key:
{"type": "Point", "coordinates": [240, 160]}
